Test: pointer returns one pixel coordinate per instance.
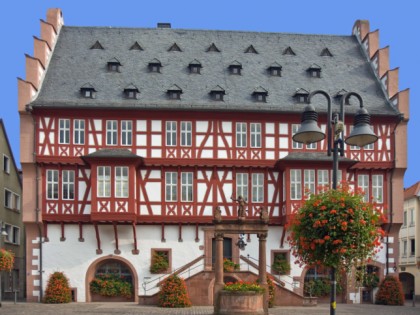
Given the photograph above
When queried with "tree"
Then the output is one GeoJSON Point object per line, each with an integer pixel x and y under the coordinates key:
{"type": "Point", "coordinates": [337, 229]}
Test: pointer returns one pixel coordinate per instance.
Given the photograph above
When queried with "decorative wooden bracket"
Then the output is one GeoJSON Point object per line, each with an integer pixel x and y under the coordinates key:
{"type": "Point", "coordinates": [62, 238]}
{"type": "Point", "coordinates": [117, 250]}
{"type": "Point", "coordinates": [135, 251]}
{"type": "Point", "coordinates": [98, 239]}
{"type": "Point", "coordinates": [81, 238]}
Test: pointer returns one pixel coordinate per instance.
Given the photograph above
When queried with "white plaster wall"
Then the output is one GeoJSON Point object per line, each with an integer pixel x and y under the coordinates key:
{"type": "Point", "coordinates": [74, 258]}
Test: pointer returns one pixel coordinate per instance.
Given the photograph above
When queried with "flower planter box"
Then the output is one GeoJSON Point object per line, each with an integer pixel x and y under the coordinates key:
{"type": "Point", "coordinates": [100, 298]}
{"type": "Point", "coordinates": [240, 302]}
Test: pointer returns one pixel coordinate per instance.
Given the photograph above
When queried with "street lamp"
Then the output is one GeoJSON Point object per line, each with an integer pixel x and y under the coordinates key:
{"type": "Point", "coordinates": [3, 234]}
{"type": "Point", "coordinates": [361, 135]}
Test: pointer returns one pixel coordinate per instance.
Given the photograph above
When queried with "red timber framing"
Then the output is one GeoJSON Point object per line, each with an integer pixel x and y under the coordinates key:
{"type": "Point", "coordinates": [212, 157]}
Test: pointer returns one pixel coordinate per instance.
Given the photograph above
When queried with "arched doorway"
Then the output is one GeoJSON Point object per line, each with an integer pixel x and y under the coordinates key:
{"type": "Point", "coordinates": [317, 283]}
{"type": "Point", "coordinates": [407, 281]}
{"type": "Point", "coordinates": [113, 267]}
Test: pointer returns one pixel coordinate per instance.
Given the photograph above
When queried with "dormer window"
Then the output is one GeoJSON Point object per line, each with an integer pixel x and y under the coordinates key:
{"type": "Point", "coordinates": [326, 52]}
{"type": "Point", "coordinates": [217, 93]}
{"type": "Point", "coordinates": [314, 71]}
{"type": "Point", "coordinates": [88, 91]}
{"type": "Point", "coordinates": [301, 96]}
{"type": "Point", "coordinates": [260, 94]}
{"type": "Point", "coordinates": [213, 48]}
{"type": "Point", "coordinates": [235, 68]}
{"type": "Point", "coordinates": [155, 65]}
{"type": "Point", "coordinates": [174, 92]}
{"type": "Point", "coordinates": [251, 50]}
{"type": "Point", "coordinates": [195, 66]}
{"type": "Point", "coordinates": [339, 95]}
{"type": "Point", "coordinates": [131, 92]}
{"type": "Point", "coordinates": [174, 47]}
{"type": "Point", "coordinates": [114, 65]}
{"type": "Point", "coordinates": [275, 70]}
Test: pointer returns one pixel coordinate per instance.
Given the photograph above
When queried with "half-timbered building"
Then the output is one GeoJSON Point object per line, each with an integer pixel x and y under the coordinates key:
{"type": "Point", "coordinates": [131, 137]}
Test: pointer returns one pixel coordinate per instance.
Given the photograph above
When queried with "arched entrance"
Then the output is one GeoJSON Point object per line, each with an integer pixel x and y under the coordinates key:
{"type": "Point", "coordinates": [407, 281]}
{"type": "Point", "coordinates": [317, 283]}
{"type": "Point", "coordinates": [115, 266]}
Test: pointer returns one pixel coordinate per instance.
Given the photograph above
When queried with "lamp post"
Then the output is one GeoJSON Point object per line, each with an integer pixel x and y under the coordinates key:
{"type": "Point", "coordinates": [361, 135]}
{"type": "Point", "coordinates": [2, 234]}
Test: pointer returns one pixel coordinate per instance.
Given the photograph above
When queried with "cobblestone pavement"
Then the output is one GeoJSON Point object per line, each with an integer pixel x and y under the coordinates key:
{"type": "Point", "coordinates": [132, 308]}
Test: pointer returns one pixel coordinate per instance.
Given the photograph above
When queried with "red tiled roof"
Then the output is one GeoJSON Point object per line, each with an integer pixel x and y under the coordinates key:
{"type": "Point", "coordinates": [412, 191]}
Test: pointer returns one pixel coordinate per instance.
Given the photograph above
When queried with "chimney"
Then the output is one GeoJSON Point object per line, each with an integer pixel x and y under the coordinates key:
{"type": "Point", "coordinates": [164, 25]}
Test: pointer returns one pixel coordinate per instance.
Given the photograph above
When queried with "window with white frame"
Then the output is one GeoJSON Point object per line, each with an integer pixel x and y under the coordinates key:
{"type": "Point", "coordinates": [16, 204]}
{"type": "Point", "coordinates": [378, 188]}
{"type": "Point", "coordinates": [309, 181]}
{"type": "Point", "coordinates": [186, 133]}
{"type": "Point", "coordinates": [339, 177]}
{"type": "Point", "coordinates": [255, 135]}
{"type": "Point", "coordinates": [121, 181]}
{"type": "Point", "coordinates": [241, 131]}
{"type": "Point", "coordinates": [171, 133]}
{"type": "Point", "coordinates": [64, 131]}
{"type": "Point", "coordinates": [257, 187]}
{"type": "Point", "coordinates": [126, 132]}
{"type": "Point", "coordinates": [111, 132]}
{"type": "Point", "coordinates": [363, 183]}
{"type": "Point", "coordinates": [295, 184]}
{"type": "Point", "coordinates": [6, 164]}
{"type": "Point", "coordinates": [242, 185]}
{"type": "Point", "coordinates": [187, 187]}
{"type": "Point", "coordinates": [323, 180]}
{"type": "Point", "coordinates": [79, 131]}
{"type": "Point", "coordinates": [412, 220]}
{"type": "Point", "coordinates": [68, 185]}
{"type": "Point", "coordinates": [296, 145]}
{"type": "Point", "coordinates": [13, 234]}
{"type": "Point", "coordinates": [404, 224]}
{"type": "Point", "coordinates": [171, 182]}
{"type": "Point", "coordinates": [52, 184]}
{"type": "Point", "coordinates": [104, 181]}
{"type": "Point", "coordinates": [412, 246]}
{"type": "Point", "coordinates": [8, 199]}
{"type": "Point", "coordinates": [404, 246]}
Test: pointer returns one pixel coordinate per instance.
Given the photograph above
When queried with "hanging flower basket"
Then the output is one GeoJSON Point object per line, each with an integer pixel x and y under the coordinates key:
{"type": "Point", "coordinates": [336, 228]}
{"type": "Point", "coordinates": [7, 259]}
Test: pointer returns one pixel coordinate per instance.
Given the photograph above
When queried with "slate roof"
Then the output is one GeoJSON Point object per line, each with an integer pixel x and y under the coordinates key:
{"type": "Point", "coordinates": [314, 156]}
{"type": "Point", "coordinates": [73, 64]}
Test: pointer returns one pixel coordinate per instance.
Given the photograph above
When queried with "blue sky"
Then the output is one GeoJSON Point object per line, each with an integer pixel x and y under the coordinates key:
{"type": "Point", "coordinates": [398, 23]}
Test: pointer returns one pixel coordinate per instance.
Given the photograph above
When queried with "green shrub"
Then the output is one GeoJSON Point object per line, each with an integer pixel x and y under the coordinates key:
{"type": "Point", "coordinates": [58, 289]}
{"type": "Point", "coordinates": [173, 293]}
{"type": "Point", "coordinates": [390, 292]}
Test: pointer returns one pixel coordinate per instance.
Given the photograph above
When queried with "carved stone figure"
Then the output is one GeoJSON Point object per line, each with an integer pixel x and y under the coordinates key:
{"type": "Point", "coordinates": [217, 214]}
{"type": "Point", "coordinates": [241, 206]}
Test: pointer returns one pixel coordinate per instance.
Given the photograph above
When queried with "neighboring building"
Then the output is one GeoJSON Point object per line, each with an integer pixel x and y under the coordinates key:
{"type": "Point", "coordinates": [11, 220]}
{"type": "Point", "coordinates": [131, 138]}
{"type": "Point", "coordinates": [409, 242]}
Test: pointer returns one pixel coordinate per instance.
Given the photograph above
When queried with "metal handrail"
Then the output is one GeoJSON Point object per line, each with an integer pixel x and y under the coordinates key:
{"type": "Point", "coordinates": [280, 278]}
{"type": "Point", "coordinates": [180, 270]}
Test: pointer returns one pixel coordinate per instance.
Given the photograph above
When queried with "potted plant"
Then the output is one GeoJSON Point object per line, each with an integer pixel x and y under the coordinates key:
{"type": "Point", "coordinates": [229, 265]}
{"type": "Point", "coordinates": [7, 259]}
{"type": "Point", "coordinates": [280, 266]}
{"type": "Point", "coordinates": [160, 262]}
